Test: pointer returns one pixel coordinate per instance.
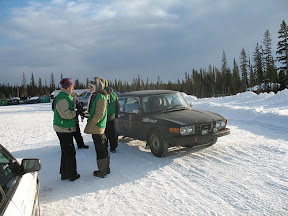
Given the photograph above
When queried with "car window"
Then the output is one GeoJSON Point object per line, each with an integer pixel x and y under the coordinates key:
{"type": "Point", "coordinates": [163, 102]}
{"type": "Point", "coordinates": [87, 95]}
{"type": "Point", "coordinates": [132, 105]}
{"type": "Point", "coordinates": [8, 175]}
{"type": "Point", "coordinates": [121, 101]}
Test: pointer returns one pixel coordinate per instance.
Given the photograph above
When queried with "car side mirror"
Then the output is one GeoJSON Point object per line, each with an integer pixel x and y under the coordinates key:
{"type": "Point", "coordinates": [30, 165]}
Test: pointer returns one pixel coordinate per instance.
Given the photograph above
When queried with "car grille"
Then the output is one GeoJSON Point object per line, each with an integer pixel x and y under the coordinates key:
{"type": "Point", "coordinates": [200, 128]}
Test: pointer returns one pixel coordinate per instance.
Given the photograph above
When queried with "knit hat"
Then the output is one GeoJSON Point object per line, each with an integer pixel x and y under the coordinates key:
{"type": "Point", "coordinates": [66, 82]}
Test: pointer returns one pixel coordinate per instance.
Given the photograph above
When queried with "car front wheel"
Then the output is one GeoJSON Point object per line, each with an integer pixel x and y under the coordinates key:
{"type": "Point", "coordinates": [158, 146]}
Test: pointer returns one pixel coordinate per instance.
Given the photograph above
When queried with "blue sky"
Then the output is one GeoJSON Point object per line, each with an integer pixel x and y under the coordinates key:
{"type": "Point", "coordinates": [122, 39]}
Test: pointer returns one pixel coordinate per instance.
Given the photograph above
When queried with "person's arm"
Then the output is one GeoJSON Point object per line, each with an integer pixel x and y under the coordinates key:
{"type": "Point", "coordinates": [117, 107]}
{"type": "Point", "coordinates": [62, 108]}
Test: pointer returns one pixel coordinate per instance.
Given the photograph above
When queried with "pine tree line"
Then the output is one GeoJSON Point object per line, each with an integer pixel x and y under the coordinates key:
{"type": "Point", "coordinates": [257, 70]}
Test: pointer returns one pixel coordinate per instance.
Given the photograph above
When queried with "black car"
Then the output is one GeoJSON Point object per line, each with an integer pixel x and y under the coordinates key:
{"type": "Point", "coordinates": [163, 119]}
{"type": "Point", "coordinates": [23, 100]}
{"type": "Point", "coordinates": [13, 101]}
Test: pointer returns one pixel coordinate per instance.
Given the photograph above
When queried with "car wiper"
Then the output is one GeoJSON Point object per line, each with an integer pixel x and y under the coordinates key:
{"type": "Point", "coordinates": [177, 106]}
{"type": "Point", "coordinates": [174, 107]}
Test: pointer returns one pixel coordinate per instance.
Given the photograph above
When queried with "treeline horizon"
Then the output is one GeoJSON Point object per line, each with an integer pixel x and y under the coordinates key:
{"type": "Point", "coordinates": [259, 70]}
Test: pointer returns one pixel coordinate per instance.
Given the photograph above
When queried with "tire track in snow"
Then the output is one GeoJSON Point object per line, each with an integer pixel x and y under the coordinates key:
{"type": "Point", "coordinates": [219, 165]}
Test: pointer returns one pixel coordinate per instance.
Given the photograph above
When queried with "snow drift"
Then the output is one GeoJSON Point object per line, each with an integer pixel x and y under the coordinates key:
{"type": "Point", "coordinates": [244, 173]}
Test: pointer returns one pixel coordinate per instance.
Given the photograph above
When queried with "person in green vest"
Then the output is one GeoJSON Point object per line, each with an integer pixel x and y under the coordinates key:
{"type": "Point", "coordinates": [112, 113]}
{"type": "Point", "coordinates": [96, 124]}
{"type": "Point", "coordinates": [64, 126]}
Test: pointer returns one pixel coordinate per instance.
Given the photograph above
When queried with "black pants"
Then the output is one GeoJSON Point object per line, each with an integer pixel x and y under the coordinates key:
{"type": "Point", "coordinates": [68, 168]}
{"type": "Point", "coordinates": [100, 143]}
{"type": "Point", "coordinates": [77, 135]}
{"type": "Point", "coordinates": [110, 134]}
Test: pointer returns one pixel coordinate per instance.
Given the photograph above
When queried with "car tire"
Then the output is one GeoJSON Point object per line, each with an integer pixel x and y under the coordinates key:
{"type": "Point", "coordinates": [158, 146]}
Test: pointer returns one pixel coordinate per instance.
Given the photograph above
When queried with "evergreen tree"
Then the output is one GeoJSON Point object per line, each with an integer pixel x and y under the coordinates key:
{"type": "Point", "coordinates": [224, 70]}
{"type": "Point", "coordinates": [159, 82]}
{"type": "Point", "coordinates": [24, 83]}
{"type": "Point", "coordinates": [268, 62]}
{"type": "Point", "coordinates": [251, 75]}
{"type": "Point", "coordinates": [243, 69]}
{"type": "Point", "coordinates": [258, 66]}
{"type": "Point", "coordinates": [138, 83]}
{"type": "Point", "coordinates": [24, 86]}
{"type": "Point", "coordinates": [211, 80]}
{"type": "Point", "coordinates": [77, 84]}
{"type": "Point", "coordinates": [147, 84]}
{"type": "Point", "coordinates": [235, 87]}
{"type": "Point", "coordinates": [32, 83]}
{"type": "Point", "coordinates": [196, 83]}
{"type": "Point", "coordinates": [40, 87]}
{"type": "Point", "coordinates": [33, 90]}
{"type": "Point", "coordinates": [46, 89]}
{"type": "Point", "coordinates": [52, 83]}
{"type": "Point", "coordinates": [282, 51]}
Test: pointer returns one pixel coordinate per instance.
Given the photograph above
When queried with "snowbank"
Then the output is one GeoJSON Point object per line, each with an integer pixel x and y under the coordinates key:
{"type": "Point", "coordinates": [244, 173]}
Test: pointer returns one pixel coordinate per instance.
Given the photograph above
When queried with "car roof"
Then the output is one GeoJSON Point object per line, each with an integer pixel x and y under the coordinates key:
{"type": "Point", "coordinates": [146, 93]}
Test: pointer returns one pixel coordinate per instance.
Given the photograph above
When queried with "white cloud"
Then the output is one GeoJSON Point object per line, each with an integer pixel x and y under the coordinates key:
{"type": "Point", "coordinates": [123, 36]}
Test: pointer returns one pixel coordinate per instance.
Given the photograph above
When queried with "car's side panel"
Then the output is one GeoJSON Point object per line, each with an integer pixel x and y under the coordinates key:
{"type": "Point", "coordinates": [12, 209]}
{"type": "Point", "coordinates": [24, 196]}
{"type": "Point", "coordinates": [122, 124]}
{"type": "Point", "coordinates": [135, 125]}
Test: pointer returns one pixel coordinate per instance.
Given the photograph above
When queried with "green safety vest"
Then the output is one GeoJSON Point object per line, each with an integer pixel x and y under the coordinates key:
{"type": "Point", "coordinates": [103, 121]}
{"type": "Point", "coordinates": [58, 120]}
{"type": "Point", "coordinates": [111, 103]}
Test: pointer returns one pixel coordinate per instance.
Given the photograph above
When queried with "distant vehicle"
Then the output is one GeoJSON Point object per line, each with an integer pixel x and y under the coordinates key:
{"type": "Point", "coordinates": [84, 97]}
{"type": "Point", "coordinates": [23, 100]}
{"type": "Point", "coordinates": [32, 100]}
{"type": "Point", "coordinates": [19, 185]}
{"type": "Point", "coordinates": [163, 119]}
{"type": "Point", "coordinates": [13, 101]}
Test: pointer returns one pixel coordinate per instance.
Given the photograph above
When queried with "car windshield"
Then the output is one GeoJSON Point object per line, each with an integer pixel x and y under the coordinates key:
{"type": "Point", "coordinates": [163, 102]}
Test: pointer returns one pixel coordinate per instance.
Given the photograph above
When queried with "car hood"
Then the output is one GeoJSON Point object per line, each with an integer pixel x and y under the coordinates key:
{"type": "Point", "coordinates": [186, 117]}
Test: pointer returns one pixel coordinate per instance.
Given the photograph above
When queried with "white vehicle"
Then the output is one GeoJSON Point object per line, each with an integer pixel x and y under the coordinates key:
{"type": "Point", "coordinates": [19, 185]}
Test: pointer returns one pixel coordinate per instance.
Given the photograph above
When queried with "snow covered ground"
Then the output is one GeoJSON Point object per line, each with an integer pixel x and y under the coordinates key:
{"type": "Point", "coordinates": [244, 173]}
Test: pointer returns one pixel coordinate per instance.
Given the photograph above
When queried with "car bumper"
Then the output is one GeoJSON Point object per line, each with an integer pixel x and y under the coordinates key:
{"type": "Point", "coordinates": [197, 139]}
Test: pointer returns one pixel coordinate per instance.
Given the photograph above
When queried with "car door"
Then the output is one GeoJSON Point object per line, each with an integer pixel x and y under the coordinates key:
{"type": "Point", "coordinates": [9, 181]}
{"type": "Point", "coordinates": [126, 123]}
{"type": "Point", "coordinates": [121, 122]}
{"type": "Point", "coordinates": [19, 193]}
{"type": "Point", "coordinates": [133, 111]}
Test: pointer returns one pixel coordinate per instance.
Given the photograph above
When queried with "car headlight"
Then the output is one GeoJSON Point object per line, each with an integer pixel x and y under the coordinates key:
{"type": "Point", "coordinates": [187, 130]}
{"type": "Point", "coordinates": [221, 124]}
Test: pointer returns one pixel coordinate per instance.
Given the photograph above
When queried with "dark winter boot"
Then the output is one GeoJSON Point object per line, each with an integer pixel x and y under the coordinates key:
{"type": "Point", "coordinates": [102, 166]}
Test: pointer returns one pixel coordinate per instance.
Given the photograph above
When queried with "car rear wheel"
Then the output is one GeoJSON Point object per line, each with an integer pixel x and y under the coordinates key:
{"type": "Point", "coordinates": [158, 146]}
